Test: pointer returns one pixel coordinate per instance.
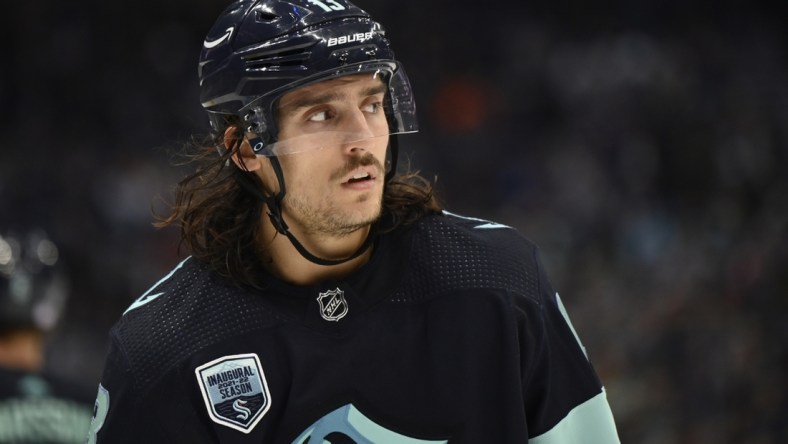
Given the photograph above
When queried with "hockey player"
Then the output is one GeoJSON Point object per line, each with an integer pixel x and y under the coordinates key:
{"type": "Point", "coordinates": [328, 298]}
{"type": "Point", "coordinates": [35, 406]}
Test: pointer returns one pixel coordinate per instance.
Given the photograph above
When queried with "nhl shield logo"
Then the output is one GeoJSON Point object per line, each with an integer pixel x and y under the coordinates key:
{"type": "Point", "coordinates": [333, 305]}
{"type": "Point", "coordinates": [235, 391]}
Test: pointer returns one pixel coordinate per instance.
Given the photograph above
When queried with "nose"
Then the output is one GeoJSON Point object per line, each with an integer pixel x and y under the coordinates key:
{"type": "Point", "coordinates": [357, 134]}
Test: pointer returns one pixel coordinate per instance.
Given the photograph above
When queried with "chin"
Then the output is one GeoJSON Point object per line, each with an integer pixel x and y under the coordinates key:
{"type": "Point", "coordinates": [367, 215]}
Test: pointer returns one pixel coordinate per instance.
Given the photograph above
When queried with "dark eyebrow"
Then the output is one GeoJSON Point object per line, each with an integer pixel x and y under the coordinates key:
{"type": "Point", "coordinates": [309, 101]}
{"type": "Point", "coordinates": [375, 90]}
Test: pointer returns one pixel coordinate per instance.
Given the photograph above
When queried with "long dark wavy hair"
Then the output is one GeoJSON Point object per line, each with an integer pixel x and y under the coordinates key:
{"type": "Point", "coordinates": [220, 219]}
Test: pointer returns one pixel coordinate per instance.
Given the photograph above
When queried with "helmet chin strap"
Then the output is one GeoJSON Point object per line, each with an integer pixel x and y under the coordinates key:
{"type": "Point", "coordinates": [274, 204]}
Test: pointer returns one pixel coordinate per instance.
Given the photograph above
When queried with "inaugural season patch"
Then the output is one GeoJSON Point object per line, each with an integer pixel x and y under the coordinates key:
{"type": "Point", "coordinates": [235, 390]}
{"type": "Point", "coordinates": [333, 305]}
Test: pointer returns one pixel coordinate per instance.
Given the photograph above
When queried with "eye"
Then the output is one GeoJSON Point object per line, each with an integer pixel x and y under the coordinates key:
{"type": "Point", "coordinates": [372, 107]}
{"type": "Point", "coordinates": [319, 116]}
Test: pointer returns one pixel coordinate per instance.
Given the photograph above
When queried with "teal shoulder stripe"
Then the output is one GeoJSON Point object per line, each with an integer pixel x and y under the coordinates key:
{"type": "Point", "coordinates": [591, 421]}
{"type": "Point", "coordinates": [562, 309]}
{"type": "Point", "coordinates": [147, 296]}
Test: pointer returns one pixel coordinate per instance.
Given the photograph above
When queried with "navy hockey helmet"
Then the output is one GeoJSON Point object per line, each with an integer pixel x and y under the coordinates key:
{"type": "Point", "coordinates": [260, 49]}
{"type": "Point", "coordinates": [33, 289]}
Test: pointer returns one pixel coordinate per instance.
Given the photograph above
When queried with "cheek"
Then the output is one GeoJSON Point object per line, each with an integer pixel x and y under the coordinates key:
{"type": "Point", "coordinates": [302, 172]}
{"type": "Point", "coordinates": [380, 150]}
{"type": "Point", "coordinates": [380, 146]}
{"type": "Point", "coordinates": [268, 177]}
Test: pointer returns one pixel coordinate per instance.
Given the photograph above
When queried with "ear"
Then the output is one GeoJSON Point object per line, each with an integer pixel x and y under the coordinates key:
{"type": "Point", "coordinates": [244, 158]}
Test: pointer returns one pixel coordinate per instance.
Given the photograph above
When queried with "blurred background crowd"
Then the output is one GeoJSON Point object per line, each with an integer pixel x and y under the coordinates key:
{"type": "Point", "coordinates": [642, 144]}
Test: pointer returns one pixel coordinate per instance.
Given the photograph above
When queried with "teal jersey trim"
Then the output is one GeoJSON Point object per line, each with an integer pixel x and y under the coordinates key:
{"type": "Point", "coordinates": [591, 421]}
{"type": "Point", "coordinates": [349, 422]}
{"type": "Point", "coordinates": [562, 309]}
{"type": "Point", "coordinates": [147, 297]}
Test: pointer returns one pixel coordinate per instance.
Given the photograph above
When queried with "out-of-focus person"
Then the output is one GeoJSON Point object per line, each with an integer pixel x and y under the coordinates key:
{"type": "Point", "coordinates": [35, 407]}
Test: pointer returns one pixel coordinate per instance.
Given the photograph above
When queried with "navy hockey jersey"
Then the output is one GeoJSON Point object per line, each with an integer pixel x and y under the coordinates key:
{"type": "Point", "coordinates": [450, 333]}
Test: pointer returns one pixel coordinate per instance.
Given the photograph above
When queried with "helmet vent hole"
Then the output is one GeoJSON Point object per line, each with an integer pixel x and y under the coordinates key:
{"type": "Point", "coordinates": [293, 58]}
{"type": "Point", "coordinates": [266, 17]}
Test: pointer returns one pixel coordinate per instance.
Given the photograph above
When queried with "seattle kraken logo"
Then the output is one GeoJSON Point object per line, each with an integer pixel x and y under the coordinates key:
{"type": "Point", "coordinates": [235, 391]}
{"type": "Point", "coordinates": [347, 425]}
{"type": "Point", "coordinates": [244, 413]}
{"type": "Point", "coordinates": [333, 305]}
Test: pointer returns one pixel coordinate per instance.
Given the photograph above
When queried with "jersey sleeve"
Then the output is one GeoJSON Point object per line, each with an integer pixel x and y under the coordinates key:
{"type": "Point", "coordinates": [564, 400]}
{"type": "Point", "coordinates": [118, 412]}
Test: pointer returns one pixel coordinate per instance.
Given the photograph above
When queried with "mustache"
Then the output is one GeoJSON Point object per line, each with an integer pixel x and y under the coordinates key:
{"type": "Point", "coordinates": [355, 162]}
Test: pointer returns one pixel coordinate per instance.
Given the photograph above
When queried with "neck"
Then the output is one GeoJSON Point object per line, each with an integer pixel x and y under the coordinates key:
{"type": "Point", "coordinates": [22, 350]}
{"type": "Point", "coordinates": [286, 263]}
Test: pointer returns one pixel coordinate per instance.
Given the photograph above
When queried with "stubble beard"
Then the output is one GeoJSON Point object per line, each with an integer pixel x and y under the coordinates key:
{"type": "Point", "coordinates": [324, 218]}
{"type": "Point", "coordinates": [327, 220]}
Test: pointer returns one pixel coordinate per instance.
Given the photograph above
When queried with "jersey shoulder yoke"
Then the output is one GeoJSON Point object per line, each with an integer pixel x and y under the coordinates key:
{"type": "Point", "coordinates": [454, 253]}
